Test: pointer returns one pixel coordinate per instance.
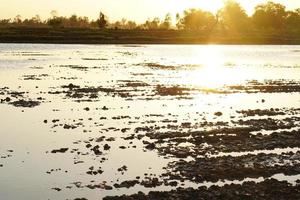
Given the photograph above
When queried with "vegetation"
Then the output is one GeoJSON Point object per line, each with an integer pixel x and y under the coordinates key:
{"type": "Point", "coordinates": [233, 17]}
{"type": "Point", "coordinates": [270, 23]}
{"type": "Point", "coordinates": [196, 19]}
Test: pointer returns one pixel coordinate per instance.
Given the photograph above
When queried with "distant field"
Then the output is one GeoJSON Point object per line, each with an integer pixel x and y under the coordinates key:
{"type": "Point", "coordinates": [113, 36]}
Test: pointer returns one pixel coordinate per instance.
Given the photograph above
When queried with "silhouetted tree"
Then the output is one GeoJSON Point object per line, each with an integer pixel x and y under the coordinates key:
{"type": "Point", "coordinates": [292, 21]}
{"type": "Point", "coordinates": [102, 21]}
{"type": "Point", "coordinates": [178, 21]}
{"type": "Point", "coordinates": [270, 15]}
{"type": "Point", "coordinates": [17, 19]}
{"type": "Point", "coordinates": [167, 23]}
{"type": "Point", "coordinates": [119, 24]}
{"type": "Point", "coordinates": [196, 19]}
{"type": "Point", "coordinates": [151, 24]}
{"type": "Point", "coordinates": [233, 17]}
{"type": "Point", "coordinates": [124, 24]}
{"type": "Point", "coordinates": [5, 22]}
{"type": "Point", "coordinates": [55, 22]}
{"type": "Point", "coordinates": [131, 25]}
{"type": "Point", "coordinates": [72, 21]}
{"type": "Point", "coordinates": [34, 21]}
{"type": "Point", "coordinates": [53, 13]}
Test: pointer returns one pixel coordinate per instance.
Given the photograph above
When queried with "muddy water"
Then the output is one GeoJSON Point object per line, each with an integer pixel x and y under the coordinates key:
{"type": "Point", "coordinates": [103, 120]}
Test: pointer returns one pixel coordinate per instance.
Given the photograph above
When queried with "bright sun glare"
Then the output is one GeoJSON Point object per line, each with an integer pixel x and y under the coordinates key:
{"type": "Point", "coordinates": [214, 71]}
{"type": "Point", "coordinates": [210, 72]}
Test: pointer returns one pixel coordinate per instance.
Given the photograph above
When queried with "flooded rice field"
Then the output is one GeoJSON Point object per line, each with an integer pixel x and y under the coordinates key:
{"type": "Point", "coordinates": [149, 122]}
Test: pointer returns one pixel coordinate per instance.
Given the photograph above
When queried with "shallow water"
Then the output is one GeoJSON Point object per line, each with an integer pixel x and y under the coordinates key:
{"type": "Point", "coordinates": [165, 87]}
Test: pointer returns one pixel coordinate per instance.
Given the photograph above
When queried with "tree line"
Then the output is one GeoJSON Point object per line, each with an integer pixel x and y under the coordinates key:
{"type": "Point", "coordinates": [232, 17]}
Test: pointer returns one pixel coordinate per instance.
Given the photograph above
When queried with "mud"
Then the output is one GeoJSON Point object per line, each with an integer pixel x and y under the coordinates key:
{"type": "Point", "coordinates": [267, 190]}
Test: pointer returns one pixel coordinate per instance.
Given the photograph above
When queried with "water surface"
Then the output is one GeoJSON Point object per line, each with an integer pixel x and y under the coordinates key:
{"type": "Point", "coordinates": [112, 91]}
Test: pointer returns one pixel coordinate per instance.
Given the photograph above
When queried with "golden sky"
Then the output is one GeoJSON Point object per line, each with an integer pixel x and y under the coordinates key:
{"type": "Point", "coordinates": [138, 10]}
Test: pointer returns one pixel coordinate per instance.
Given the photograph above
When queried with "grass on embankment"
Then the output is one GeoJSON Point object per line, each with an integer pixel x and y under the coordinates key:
{"type": "Point", "coordinates": [113, 36]}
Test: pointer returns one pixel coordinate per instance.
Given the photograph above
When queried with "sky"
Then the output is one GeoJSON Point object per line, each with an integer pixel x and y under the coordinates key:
{"type": "Point", "coordinates": [137, 10]}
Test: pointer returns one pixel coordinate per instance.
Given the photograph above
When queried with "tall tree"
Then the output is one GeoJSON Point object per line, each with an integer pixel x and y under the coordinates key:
{"type": "Point", "coordinates": [196, 19]}
{"type": "Point", "coordinates": [18, 19]}
{"type": "Point", "coordinates": [233, 17]}
{"type": "Point", "coordinates": [102, 21]}
{"type": "Point", "coordinates": [269, 15]}
{"type": "Point", "coordinates": [131, 25]}
{"type": "Point", "coordinates": [178, 22]}
{"type": "Point", "coordinates": [152, 24]}
{"type": "Point", "coordinates": [54, 13]}
{"type": "Point", "coordinates": [292, 20]}
{"type": "Point", "coordinates": [166, 24]}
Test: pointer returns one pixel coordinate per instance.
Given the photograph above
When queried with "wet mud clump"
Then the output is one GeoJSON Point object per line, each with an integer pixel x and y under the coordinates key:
{"type": "Point", "coordinates": [24, 103]}
{"type": "Point", "coordinates": [234, 168]}
{"type": "Point", "coordinates": [159, 66]}
{"type": "Point", "coordinates": [18, 99]}
{"type": "Point", "coordinates": [266, 190]}
{"type": "Point", "coordinates": [269, 86]}
{"type": "Point", "coordinates": [171, 91]}
{"type": "Point", "coordinates": [61, 150]}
